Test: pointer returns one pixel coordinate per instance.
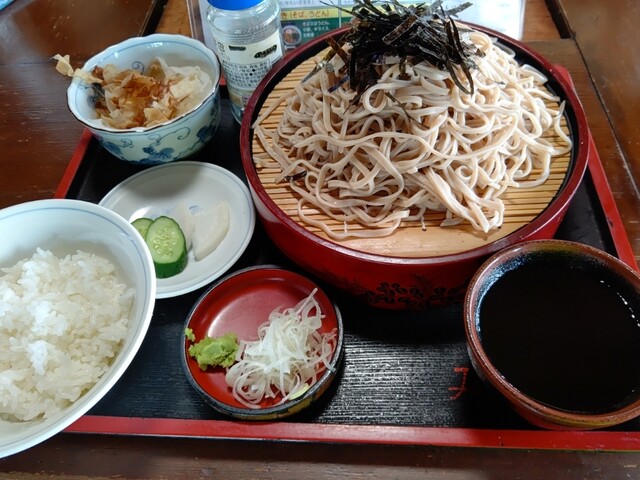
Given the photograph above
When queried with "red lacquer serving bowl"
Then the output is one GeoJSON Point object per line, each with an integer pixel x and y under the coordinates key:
{"type": "Point", "coordinates": [393, 280]}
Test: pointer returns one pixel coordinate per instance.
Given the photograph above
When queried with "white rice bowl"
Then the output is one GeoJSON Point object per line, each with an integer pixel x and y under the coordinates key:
{"type": "Point", "coordinates": [57, 363]}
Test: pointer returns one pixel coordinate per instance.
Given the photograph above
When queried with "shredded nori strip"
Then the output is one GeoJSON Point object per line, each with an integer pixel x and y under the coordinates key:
{"type": "Point", "coordinates": [423, 32]}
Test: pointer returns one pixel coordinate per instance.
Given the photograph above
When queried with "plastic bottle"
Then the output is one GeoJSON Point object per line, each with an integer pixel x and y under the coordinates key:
{"type": "Point", "coordinates": [248, 41]}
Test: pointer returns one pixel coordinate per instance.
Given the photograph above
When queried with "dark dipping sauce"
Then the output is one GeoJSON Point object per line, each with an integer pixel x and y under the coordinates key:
{"type": "Point", "coordinates": [565, 332]}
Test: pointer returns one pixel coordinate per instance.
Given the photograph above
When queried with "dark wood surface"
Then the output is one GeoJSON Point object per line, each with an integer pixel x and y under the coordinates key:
{"type": "Point", "coordinates": [75, 457]}
{"type": "Point", "coordinates": [38, 136]}
{"type": "Point", "coordinates": [608, 38]}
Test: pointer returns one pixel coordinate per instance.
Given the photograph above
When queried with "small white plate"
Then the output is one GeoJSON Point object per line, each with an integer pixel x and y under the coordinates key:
{"type": "Point", "coordinates": [196, 185]}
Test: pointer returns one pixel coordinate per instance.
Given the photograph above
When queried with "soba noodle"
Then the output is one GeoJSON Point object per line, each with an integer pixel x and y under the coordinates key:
{"type": "Point", "coordinates": [415, 143]}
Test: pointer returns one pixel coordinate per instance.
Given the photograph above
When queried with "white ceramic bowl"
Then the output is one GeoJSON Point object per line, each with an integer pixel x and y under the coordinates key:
{"type": "Point", "coordinates": [64, 226]}
{"type": "Point", "coordinates": [181, 137]}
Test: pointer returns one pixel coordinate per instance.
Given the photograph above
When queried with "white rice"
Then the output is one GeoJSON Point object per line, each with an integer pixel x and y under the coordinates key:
{"type": "Point", "coordinates": [62, 321]}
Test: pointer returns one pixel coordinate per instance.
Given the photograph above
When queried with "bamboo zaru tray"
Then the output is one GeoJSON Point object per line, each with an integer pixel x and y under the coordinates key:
{"type": "Point", "coordinates": [411, 239]}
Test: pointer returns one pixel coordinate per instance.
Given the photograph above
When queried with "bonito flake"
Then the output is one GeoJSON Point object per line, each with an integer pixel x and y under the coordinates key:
{"type": "Point", "coordinates": [130, 99]}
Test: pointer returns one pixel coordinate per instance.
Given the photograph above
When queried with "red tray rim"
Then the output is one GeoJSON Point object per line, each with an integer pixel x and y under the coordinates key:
{"type": "Point", "coordinates": [376, 434]}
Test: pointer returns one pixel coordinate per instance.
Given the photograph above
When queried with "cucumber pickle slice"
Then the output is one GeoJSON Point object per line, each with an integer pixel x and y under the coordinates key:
{"type": "Point", "coordinates": [167, 245]}
{"type": "Point", "coordinates": [142, 225]}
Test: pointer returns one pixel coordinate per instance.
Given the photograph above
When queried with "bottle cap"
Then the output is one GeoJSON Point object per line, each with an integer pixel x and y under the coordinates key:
{"type": "Point", "coordinates": [234, 4]}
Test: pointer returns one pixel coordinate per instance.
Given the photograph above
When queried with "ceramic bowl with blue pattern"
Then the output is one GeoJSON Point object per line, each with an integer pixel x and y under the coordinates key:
{"type": "Point", "coordinates": [179, 138]}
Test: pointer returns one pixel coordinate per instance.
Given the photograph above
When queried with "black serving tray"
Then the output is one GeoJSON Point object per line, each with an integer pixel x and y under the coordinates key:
{"type": "Point", "coordinates": [402, 372]}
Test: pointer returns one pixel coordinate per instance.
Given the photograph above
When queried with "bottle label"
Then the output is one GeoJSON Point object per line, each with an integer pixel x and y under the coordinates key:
{"type": "Point", "coordinates": [245, 65]}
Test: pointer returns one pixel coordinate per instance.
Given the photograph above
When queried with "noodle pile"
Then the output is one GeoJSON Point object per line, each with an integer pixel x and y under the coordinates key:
{"type": "Point", "coordinates": [414, 143]}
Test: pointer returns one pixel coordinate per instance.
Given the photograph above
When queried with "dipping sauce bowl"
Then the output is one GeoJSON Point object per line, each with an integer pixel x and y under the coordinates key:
{"type": "Point", "coordinates": [554, 326]}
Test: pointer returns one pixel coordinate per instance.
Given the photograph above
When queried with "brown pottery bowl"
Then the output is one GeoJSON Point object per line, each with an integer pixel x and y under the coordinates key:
{"type": "Point", "coordinates": [554, 327]}
{"type": "Point", "coordinates": [403, 282]}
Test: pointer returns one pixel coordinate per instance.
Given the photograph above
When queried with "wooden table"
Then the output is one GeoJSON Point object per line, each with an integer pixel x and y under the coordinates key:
{"type": "Point", "coordinates": [593, 39]}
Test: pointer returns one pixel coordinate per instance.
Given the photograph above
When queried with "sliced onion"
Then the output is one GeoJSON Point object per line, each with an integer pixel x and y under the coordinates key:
{"type": "Point", "coordinates": [289, 355]}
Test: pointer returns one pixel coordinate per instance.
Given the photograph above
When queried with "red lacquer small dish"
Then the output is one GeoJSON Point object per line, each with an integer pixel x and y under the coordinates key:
{"type": "Point", "coordinates": [239, 304]}
{"type": "Point", "coordinates": [554, 327]}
